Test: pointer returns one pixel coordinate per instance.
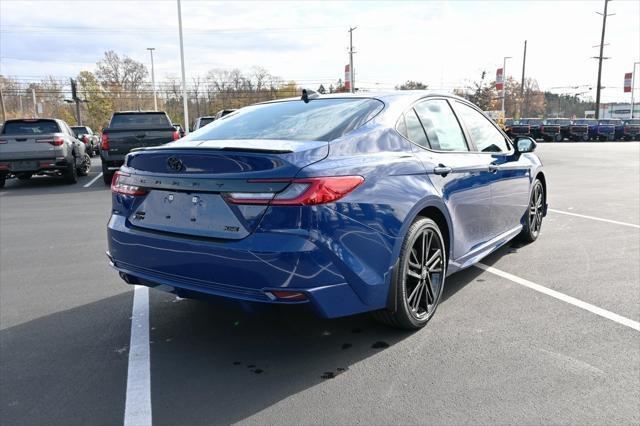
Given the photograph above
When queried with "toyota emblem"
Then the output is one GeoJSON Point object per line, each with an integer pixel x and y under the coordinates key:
{"type": "Point", "coordinates": [174, 164]}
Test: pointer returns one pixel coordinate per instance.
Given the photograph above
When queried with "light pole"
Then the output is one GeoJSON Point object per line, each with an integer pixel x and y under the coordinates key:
{"type": "Point", "coordinates": [633, 84]}
{"type": "Point", "coordinates": [153, 79]}
{"type": "Point", "coordinates": [185, 102]}
{"type": "Point", "coordinates": [351, 72]}
{"type": "Point", "coordinates": [504, 82]}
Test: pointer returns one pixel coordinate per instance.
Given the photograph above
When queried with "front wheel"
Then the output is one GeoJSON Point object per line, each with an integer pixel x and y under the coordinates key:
{"type": "Point", "coordinates": [534, 214]}
{"type": "Point", "coordinates": [419, 279]}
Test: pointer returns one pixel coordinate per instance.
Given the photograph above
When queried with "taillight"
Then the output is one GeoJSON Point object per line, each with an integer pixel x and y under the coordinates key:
{"type": "Point", "coordinates": [85, 139]}
{"type": "Point", "coordinates": [3, 141]}
{"type": "Point", "coordinates": [176, 135]}
{"type": "Point", "coordinates": [105, 142]}
{"type": "Point", "coordinates": [55, 141]}
{"type": "Point", "coordinates": [122, 188]}
{"type": "Point", "coordinates": [301, 192]}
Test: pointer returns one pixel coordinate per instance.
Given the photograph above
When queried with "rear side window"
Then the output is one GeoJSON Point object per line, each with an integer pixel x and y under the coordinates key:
{"type": "Point", "coordinates": [415, 132]}
{"type": "Point", "coordinates": [483, 132]}
{"type": "Point", "coordinates": [440, 123]}
{"type": "Point", "coordinates": [81, 131]}
{"type": "Point", "coordinates": [139, 121]}
{"type": "Point", "coordinates": [205, 121]}
{"type": "Point", "coordinates": [318, 120]}
{"type": "Point", "coordinates": [30, 127]}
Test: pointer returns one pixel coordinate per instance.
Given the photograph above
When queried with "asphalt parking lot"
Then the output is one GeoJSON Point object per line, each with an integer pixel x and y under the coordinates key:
{"type": "Point", "coordinates": [497, 351]}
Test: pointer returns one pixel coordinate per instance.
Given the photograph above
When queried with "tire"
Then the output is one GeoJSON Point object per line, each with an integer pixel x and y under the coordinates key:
{"type": "Point", "coordinates": [558, 138]}
{"type": "Point", "coordinates": [534, 214]}
{"type": "Point", "coordinates": [3, 180]}
{"type": "Point", "coordinates": [419, 277]}
{"type": "Point", "coordinates": [585, 138]}
{"type": "Point", "coordinates": [107, 175]}
{"type": "Point", "coordinates": [24, 176]}
{"type": "Point", "coordinates": [85, 167]}
{"type": "Point", "coordinates": [71, 172]}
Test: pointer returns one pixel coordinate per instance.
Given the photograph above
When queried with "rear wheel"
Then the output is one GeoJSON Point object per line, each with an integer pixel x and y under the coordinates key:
{"type": "Point", "coordinates": [24, 176]}
{"type": "Point", "coordinates": [3, 180]}
{"type": "Point", "coordinates": [84, 168]}
{"type": "Point", "coordinates": [419, 278]}
{"type": "Point", "coordinates": [107, 175]}
{"type": "Point", "coordinates": [534, 214]}
{"type": "Point", "coordinates": [71, 172]}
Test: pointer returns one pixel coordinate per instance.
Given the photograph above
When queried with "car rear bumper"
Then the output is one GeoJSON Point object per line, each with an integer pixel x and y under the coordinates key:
{"type": "Point", "coordinates": [33, 165]}
{"type": "Point", "coordinates": [248, 269]}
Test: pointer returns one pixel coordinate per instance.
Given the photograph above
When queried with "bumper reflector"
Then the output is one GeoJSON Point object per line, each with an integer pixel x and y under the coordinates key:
{"type": "Point", "coordinates": [288, 295]}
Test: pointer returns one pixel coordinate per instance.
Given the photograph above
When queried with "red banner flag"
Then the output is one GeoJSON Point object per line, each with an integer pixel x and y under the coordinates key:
{"type": "Point", "coordinates": [627, 82]}
{"type": "Point", "coordinates": [499, 79]}
{"type": "Point", "coordinates": [347, 77]}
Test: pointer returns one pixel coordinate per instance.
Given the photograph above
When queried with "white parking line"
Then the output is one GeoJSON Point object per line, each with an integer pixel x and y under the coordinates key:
{"type": "Point", "coordinates": [595, 218]}
{"type": "Point", "coordinates": [137, 410]}
{"type": "Point", "coordinates": [560, 296]}
{"type": "Point", "coordinates": [91, 182]}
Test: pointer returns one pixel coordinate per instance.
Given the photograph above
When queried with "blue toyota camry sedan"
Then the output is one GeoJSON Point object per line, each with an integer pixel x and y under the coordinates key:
{"type": "Point", "coordinates": [349, 203]}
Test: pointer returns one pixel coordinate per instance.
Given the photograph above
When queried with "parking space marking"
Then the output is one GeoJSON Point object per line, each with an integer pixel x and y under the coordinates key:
{"type": "Point", "coordinates": [595, 218]}
{"type": "Point", "coordinates": [137, 410]}
{"type": "Point", "coordinates": [561, 296]}
{"type": "Point", "coordinates": [92, 181]}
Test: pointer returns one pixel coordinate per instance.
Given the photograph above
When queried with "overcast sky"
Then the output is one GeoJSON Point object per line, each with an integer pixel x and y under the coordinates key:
{"type": "Point", "coordinates": [443, 44]}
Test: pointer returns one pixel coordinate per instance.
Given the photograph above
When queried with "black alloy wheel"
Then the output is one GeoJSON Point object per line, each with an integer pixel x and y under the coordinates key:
{"type": "Point", "coordinates": [534, 214]}
{"type": "Point", "coordinates": [419, 278]}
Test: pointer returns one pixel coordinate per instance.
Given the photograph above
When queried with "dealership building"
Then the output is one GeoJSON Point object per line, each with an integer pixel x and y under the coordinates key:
{"type": "Point", "coordinates": [618, 110]}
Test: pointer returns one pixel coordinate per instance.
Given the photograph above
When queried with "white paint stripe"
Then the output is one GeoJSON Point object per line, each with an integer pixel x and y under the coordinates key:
{"type": "Point", "coordinates": [93, 180]}
{"type": "Point", "coordinates": [595, 218]}
{"type": "Point", "coordinates": [137, 410]}
{"type": "Point", "coordinates": [560, 296]}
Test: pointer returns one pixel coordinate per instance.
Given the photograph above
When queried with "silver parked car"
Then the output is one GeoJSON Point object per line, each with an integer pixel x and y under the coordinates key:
{"type": "Point", "coordinates": [41, 146]}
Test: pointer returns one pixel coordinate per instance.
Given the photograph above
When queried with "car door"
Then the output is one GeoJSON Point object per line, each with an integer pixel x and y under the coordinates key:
{"type": "Point", "coordinates": [460, 175]}
{"type": "Point", "coordinates": [511, 171]}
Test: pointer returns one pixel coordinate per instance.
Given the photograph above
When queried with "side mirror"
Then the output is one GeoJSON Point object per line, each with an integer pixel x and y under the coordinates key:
{"type": "Point", "coordinates": [525, 144]}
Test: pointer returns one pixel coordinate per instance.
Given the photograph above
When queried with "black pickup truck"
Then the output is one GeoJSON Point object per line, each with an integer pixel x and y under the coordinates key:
{"type": "Point", "coordinates": [128, 130]}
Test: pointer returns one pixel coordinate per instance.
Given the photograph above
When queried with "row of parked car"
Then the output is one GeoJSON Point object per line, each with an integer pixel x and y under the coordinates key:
{"type": "Point", "coordinates": [581, 129]}
{"type": "Point", "coordinates": [49, 146]}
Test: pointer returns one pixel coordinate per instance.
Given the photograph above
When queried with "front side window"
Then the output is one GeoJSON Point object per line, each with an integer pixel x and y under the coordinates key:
{"type": "Point", "coordinates": [440, 124]}
{"type": "Point", "coordinates": [484, 134]}
{"type": "Point", "coordinates": [316, 120]}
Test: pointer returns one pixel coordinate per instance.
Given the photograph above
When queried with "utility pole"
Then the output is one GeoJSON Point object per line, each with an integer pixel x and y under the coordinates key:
{"type": "Point", "coordinates": [504, 81]}
{"type": "Point", "coordinates": [76, 99]}
{"type": "Point", "coordinates": [35, 107]}
{"type": "Point", "coordinates": [524, 63]}
{"type": "Point", "coordinates": [351, 52]}
{"type": "Point", "coordinates": [4, 111]}
{"type": "Point", "coordinates": [604, 26]}
{"type": "Point", "coordinates": [20, 103]}
{"type": "Point", "coordinates": [185, 101]}
{"type": "Point", "coordinates": [153, 79]}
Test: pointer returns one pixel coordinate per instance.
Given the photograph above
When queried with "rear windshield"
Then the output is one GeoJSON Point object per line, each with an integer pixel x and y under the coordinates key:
{"type": "Point", "coordinates": [35, 127]}
{"type": "Point", "coordinates": [318, 120]}
{"type": "Point", "coordinates": [80, 130]}
{"type": "Point", "coordinates": [613, 122]}
{"type": "Point", "coordinates": [561, 122]}
{"type": "Point", "coordinates": [205, 121]}
{"type": "Point", "coordinates": [139, 121]}
{"type": "Point", "coordinates": [585, 121]}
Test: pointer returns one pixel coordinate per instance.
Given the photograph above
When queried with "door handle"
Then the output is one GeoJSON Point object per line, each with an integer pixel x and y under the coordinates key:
{"type": "Point", "coordinates": [442, 170]}
{"type": "Point", "coordinates": [493, 168]}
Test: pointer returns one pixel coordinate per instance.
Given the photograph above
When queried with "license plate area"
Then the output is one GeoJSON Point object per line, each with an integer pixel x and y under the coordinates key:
{"type": "Point", "coordinates": [198, 214]}
{"type": "Point", "coordinates": [19, 166]}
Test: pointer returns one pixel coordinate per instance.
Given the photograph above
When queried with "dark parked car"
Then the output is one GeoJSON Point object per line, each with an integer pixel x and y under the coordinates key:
{"type": "Point", "coordinates": [520, 128]}
{"type": "Point", "coordinates": [607, 129]}
{"type": "Point", "coordinates": [128, 130]}
{"type": "Point", "coordinates": [347, 203]}
{"type": "Point", "coordinates": [91, 140]}
{"type": "Point", "coordinates": [179, 129]}
{"type": "Point", "coordinates": [534, 127]}
{"type": "Point", "coordinates": [570, 130]}
{"type": "Point", "coordinates": [223, 113]}
{"type": "Point", "coordinates": [632, 129]}
{"type": "Point", "coordinates": [41, 146]}
{"type": "Point", "coordinates": [592, 126]}
{"type": "Point", "coordinates": [550, 131]}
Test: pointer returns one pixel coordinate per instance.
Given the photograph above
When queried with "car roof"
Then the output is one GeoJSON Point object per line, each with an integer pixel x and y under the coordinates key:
{"type": "Point", "coordinates": [139, 112]}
